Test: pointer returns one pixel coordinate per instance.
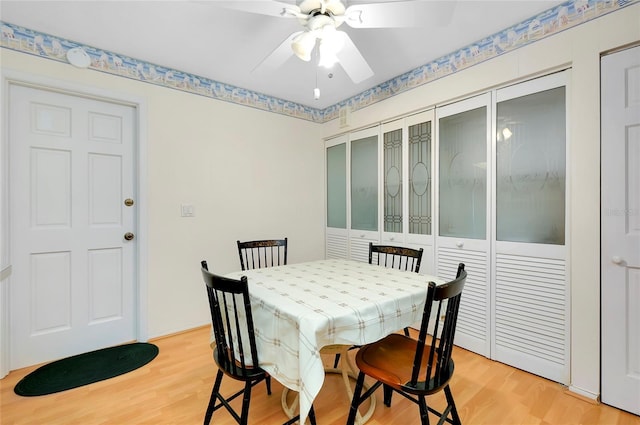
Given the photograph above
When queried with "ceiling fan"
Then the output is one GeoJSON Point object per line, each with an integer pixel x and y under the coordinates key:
{"type": "Point", "coordinates": [322, 18]}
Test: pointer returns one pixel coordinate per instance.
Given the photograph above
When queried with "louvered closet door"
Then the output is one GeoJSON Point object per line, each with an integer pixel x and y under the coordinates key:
{"type": "Point", "coordinates": [462, 223]}
{"type": "Point", "coordinates": [530, 305]}
{"type": "Point", "coordinates": [364, 220]}
{"type": "Point", "coordinates": [337, 236]}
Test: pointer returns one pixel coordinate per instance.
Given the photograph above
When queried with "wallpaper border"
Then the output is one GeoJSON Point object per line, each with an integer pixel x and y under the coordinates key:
{"type": "Point", "coordinates": [543, 25]}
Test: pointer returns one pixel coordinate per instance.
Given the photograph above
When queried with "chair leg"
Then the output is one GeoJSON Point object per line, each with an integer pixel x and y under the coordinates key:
{"type": "Point", "coordinates": [388, 392]}
{"type": "Point", "coordinates": [424, 411]}
{"type": "Point", "coordinates": [336, 361]}
{"type": "Point", "coordinates": [355, 402]}
{"type": "Point", "coordinates": [268, 383]}
{"type": "Point", "coordinates": [454, 411]}
{"type": "Point", "coordinates": [406, 332]}
{"type": "Point", "coordinates": [213, 398]}
{"type": "Point", "coordinates": [312, 416]}
{"type": "Point", "coordinates": [246, 398]}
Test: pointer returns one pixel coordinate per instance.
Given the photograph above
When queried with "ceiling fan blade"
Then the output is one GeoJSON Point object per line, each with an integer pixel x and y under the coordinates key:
{"type": "Point", "coordinates": [278, 56]}
{"type": "Point", "coordinates": [352, 61]}
{"type": "Point", "coordinates": [399, 14]}
{"type": "Point", "coordinates": [261, 7]}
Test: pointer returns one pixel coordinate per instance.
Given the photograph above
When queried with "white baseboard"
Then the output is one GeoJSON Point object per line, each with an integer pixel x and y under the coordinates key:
{"type": "Point", "coordinates": [583, 394]}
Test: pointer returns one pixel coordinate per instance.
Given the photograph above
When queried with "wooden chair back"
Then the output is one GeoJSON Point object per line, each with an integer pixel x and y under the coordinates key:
{"type": "Point", "coordinates": [262, 253]}
{"type": "Point", "coordinates": [235, 350]}
{"type": "Point", "coordinates": [396, 257]}
{"type": "Point", "coordinates": [438, 368]}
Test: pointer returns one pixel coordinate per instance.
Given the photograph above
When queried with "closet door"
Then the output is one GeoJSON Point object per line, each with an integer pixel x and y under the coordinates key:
{"type": "Point", "coordinates": [419, 188]}
{"type": "Point", "coordinates": [363, 196]}
{"type": "Point", "coordinates": [394, 154]}
{"type": "Point", "coordinates": [463, 158]}
{"type": "Point", "coordinates": [531, 294]}
{"type": "Point", "coordinates": [337, 245]}
{"type": "Point", "coordinates": [407, 191]}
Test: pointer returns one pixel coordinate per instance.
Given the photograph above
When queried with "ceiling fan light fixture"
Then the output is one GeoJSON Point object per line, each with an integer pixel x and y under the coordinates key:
{"type": "Point", "coordinates": [303, 44]}
{"type": "Point", "coordinates": [328, 56]}
{"type": "Point", "coordinates": [332, 38]}
{"type": "Point", "coordinates": [331, 43]}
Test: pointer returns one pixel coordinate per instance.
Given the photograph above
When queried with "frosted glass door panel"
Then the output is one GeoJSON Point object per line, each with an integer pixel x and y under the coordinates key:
{"type": "Point", "coordinates": [364, 184]}
{"type": "Point", "coordinates": [337, 186]}
{"type": "Point", "coordinates": [392, 151]}
{"type": "Point", "coordinates": [531, 170]}
{"type": "Point", "coordinates": [463, 174]}
{"type": "Point", "coordinates": [420, 178]}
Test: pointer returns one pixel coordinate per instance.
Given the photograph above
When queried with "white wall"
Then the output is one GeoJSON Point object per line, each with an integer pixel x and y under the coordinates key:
{"type": "Point", "coordinates": [580, 49]}
{"type": "Point", "coordinates": [249, 174]}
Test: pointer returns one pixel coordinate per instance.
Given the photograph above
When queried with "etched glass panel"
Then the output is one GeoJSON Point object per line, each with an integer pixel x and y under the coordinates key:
{"type": "Point", "coordinates": [531, 168]}
{"type": "Point", "coordinates": [337, 186]}
{"type": "Point", "coordinates": [364, 184]}
{"type": "Point", "coordinates": [420, 178]}
{"type": "Point", "coordinates": [393, 181]}
{"type": "Point", "coordinates": [463, 174]}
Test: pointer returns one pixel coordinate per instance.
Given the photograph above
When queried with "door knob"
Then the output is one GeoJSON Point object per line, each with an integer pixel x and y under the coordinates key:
{"type": "Point", "coordinates": [129, 236]}
{"type": "Point", "coordinates": [459, 244]}
{"type": "Point", "coordinates": [616, 260]}
{"type": "Point", "coordinates": [128, 202]}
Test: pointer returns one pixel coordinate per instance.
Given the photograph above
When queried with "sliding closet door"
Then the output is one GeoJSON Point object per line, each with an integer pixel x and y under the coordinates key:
{"type": "Point", "coordinates": [463, 219]}
{"type": "Point", "coordinates": [531, 302]}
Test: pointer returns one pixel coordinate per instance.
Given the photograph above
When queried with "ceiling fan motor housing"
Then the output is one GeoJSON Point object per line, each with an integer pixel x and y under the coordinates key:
{"type": "Point", "coordinates": [336, 7]}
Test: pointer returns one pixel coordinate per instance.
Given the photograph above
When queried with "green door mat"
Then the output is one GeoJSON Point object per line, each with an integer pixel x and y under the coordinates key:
{"type": "Point", "coordinates": [83, 369]}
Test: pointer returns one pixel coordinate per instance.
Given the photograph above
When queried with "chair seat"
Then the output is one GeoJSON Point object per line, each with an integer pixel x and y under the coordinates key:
{"type": "Point", "coordinates": [390, 361]}
{"type": "Point", "coordinates": [247, 373]}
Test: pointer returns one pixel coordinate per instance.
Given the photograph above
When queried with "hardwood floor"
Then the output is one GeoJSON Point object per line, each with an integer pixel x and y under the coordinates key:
{"type": "Point", "coordinates": [175, 387]}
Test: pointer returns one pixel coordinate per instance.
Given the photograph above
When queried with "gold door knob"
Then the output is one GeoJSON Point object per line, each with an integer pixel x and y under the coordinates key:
{"type": "Point", "coordinates": [128, 202]}
{"type": "Point", "coordinates": [129, 236]}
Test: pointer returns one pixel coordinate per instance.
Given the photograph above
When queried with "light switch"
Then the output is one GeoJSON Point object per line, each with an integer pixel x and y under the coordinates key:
{"type": "Point", "coordinates": [187, 210]}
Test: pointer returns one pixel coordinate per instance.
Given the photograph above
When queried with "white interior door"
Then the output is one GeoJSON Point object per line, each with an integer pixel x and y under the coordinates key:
{"type": "Point", "coordinates": [71, 170]}
{"type": "Point", "coordinates": [621, 229]}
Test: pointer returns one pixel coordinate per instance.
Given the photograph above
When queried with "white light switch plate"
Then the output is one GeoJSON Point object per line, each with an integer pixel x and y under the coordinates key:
{"type": "Point", "coordinates": [187, 210]}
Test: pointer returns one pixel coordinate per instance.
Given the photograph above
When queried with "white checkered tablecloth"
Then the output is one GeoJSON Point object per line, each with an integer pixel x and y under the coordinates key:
{"type": "Point", "coordinates": [300, 308]}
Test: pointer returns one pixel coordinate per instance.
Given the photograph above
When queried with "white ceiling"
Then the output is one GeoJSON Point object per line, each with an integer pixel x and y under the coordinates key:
{"type": "Point", "coordinates": [202, 38]}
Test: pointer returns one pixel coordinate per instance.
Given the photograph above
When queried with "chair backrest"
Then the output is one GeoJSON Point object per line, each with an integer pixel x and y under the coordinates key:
{"type": "Point", "coordinates": [396, 257]}
{"type": "Point", "coordinates": [235, 350]}
{"type": "Point", "coordinates": [433, 368]}
{"type": "Point", "coordinates": [264, 253]}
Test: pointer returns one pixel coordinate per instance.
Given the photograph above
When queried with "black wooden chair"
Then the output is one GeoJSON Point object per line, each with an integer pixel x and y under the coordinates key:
{"type": "Point", "coordinates": [396, 257]}
{"type": "Point", "coordinates": [235, 350]}
{"type": "Point", "coordinates": [415, 368]}
{"type": "Point", "coordinates": [264, 253]}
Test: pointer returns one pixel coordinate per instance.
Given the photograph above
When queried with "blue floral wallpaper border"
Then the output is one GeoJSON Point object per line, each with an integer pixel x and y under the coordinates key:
{"type": "Point", "coordinates": [550, 22]}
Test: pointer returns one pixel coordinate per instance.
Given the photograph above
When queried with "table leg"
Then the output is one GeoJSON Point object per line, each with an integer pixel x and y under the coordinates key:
{"type": "Point", "coordinates": [348, 371]}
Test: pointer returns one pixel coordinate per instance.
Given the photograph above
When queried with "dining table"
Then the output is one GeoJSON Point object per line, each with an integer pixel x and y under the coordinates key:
{"type": "Point", "coordinates": [298, 309]}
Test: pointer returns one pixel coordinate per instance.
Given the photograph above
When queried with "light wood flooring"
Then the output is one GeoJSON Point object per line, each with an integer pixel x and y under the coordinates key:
{"type": "Point", "coordinates": [175, 387]}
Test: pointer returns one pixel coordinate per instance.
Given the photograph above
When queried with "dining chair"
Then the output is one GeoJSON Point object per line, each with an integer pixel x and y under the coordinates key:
{"type": "Point", "coordinates": [262, 253]}
{"type": "Point", "coordinates": [396, 257]}
{"type": "Point", "coordinates": [416, 368]}
{"type": "Point", "coordinates": [235, 350]}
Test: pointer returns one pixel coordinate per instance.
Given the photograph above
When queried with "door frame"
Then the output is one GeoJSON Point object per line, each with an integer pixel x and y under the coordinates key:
{"type": "Point", "coordinates": [11, 77]}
